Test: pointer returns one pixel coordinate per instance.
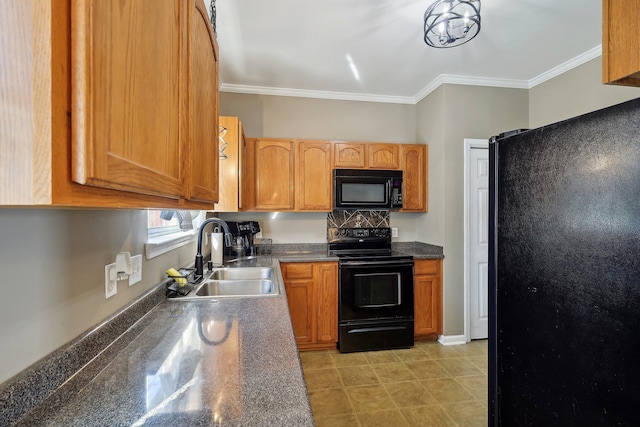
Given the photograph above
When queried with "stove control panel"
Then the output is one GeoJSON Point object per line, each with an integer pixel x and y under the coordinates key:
{"type": "Point", "coordinates": [358, 234]}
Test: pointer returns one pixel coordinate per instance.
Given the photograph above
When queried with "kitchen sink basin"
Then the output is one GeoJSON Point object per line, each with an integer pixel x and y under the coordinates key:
{"type": "Point", "coordinates": [243, 273]}
{"type": "Point", "coordinates": [228, 288]}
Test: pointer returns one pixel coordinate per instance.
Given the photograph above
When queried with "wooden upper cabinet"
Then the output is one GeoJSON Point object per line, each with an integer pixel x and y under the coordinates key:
{"type": "Point", "coordinates": [314, 176]}
{"type": "Point", "coordinates": [203, 97]}
{"type": "Point", "coordinates": [130, 131]}
{"type": "Point", "coordinates": [620, 42]}
{"type": "Point", "coordinates": [270, 174]}
{"type": "Point", "coordinates": [349, 155]}
{"type": "Point", "coordinates": [232, 167]}
{"type": "Point", "coordinates": [383, 156]}
{"type": "Point", "coordinates": [366, 155]}
{"type": "Point", "coordinates": [414, 161]}
{"type": "Point", "coordinates": [99, 111]}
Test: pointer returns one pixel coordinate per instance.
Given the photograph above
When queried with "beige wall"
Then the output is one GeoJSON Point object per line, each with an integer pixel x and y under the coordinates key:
{"type": "Point", "coordinates": [292, 117]}
{"type": "Point", "coordinates": [445, 118]}
{"type": "Point", "coordinates": [53, 276]}
{"type": "Point", "coordinates": [575, 92]}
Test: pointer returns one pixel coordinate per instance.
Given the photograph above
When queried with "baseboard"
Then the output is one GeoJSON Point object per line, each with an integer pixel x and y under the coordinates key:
{"type": "Point", "coordinates": [452, 339]}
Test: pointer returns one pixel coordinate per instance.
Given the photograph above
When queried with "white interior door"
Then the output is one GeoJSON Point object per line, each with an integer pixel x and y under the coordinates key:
{"type": "Point", "coordinates": [478, 236]}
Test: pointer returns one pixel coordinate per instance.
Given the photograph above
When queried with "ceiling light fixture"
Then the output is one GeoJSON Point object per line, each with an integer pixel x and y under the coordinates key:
{"type": "Point", "coordinates": [449, 23]}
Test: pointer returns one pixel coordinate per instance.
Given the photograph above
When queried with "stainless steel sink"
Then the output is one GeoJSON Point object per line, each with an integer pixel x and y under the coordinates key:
{"type": "Point", "coordinates": [236, 282]}
{"type": "Point", "coordinates": [228, 288]}
{"type": "Point", "coordinates": [243, 273]}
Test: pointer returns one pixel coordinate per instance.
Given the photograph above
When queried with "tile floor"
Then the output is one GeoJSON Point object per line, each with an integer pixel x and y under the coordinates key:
{"type": "Point", "coordinates": [427, 385]}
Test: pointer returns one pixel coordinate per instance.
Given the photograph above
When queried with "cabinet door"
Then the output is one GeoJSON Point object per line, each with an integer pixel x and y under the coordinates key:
{"type": "Point", "coordinates": [383, 156]}
{"type": "Point", "coordinates": [314, 176]}
{"type": "Point", "coordinates": [327, 302]}
{"type": "Point", "coordinates": [203, 95]}
{"type": "Point", "coordinates": [229, 174]}
{"type": "Point", "coordinates": [298, 282]}
{"type": "Point", "coordinates": [620, 42]}
{"type": "Point", "coordinates": [128, 83]}
{"type": "Point", "coordinates": [349, 155]}
{"type": "Point", "coordinates": [427, 284]}
{"type": "Point", "coordinates": [415, 178]}
{"type": "Point", "coordinates": [271, 166]}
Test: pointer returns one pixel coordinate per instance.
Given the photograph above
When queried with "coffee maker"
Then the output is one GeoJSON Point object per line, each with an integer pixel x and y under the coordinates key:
{"type": "Point", "coordinates": [243, 233]}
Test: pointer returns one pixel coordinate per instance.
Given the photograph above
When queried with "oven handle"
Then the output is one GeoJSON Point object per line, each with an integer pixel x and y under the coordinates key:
{"type": "Point", "coordinates": [352, 263]}
{"type": "Point", "coordinates": [376, 329]}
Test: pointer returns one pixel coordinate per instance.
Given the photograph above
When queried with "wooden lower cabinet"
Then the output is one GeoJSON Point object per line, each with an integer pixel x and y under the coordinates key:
{"type": "Point", "coordinates": [312, 295]}
{"type": "Point", "coordinates": [427, 290]}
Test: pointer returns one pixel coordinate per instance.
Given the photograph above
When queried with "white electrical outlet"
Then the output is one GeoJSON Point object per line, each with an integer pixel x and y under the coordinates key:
{"type": "Point", "coordinates": [394, 232]}
{"type": "Point", "coordinates": [136, 266]}
{"type": "Point", "coordinates": [110, 286]}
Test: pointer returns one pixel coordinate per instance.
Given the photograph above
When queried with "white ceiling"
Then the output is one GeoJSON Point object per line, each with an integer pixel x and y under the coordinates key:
{"type": "Point", "coordinates": [306, 47]}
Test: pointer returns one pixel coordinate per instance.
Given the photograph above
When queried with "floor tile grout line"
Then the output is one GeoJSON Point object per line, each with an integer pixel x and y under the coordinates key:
{"type": "Point", "coordinates": [372, 364]}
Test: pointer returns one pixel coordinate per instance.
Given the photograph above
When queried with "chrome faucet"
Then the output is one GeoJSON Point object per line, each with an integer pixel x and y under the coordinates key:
{"type": "Point", "coordinates": [227, 242]}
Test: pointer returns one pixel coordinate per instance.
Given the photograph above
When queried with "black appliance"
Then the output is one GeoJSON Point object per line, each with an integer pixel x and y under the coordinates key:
{"type": "Point", "coordinates": [375, 296]}
{"type": "Point", "coordinates": [243, 234]}
{"type": "Point", "coordinates": [564, 272]}
{"type": "Point", "coordinates": [367, 189]}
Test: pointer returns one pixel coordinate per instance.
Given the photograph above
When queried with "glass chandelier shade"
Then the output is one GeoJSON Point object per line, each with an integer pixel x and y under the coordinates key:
{"type": "Point", "coordinates": [449, 23]}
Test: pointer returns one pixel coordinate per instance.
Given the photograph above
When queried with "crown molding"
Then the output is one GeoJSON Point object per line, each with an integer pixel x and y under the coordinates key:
{"type": "Point", "coordinates": [566, 66]}
{"type": "Point", "coordinates": [439, 81]}
{"type": "Point", "coordinates": [344, 96]}
{"type": "Point", "coordinates": [470, 81]}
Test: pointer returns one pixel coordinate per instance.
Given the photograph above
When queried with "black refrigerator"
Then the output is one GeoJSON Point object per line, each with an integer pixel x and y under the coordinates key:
{"type": "Point", "coordinates": [564, 272]}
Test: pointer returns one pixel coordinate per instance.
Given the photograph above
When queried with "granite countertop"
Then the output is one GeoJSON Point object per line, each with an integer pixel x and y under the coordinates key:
{"type": "Point", "coordinates": [223, 361]}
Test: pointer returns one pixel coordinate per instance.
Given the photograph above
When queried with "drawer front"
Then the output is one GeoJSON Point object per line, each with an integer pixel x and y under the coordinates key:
{"type": "Point", "coordinates": [428, 266]}
{"type": "Point", "coordinates": [298, 271]}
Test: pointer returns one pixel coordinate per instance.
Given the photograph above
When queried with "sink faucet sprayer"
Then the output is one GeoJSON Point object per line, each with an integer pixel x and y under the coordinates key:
{"type": "Point", "coordinates": [227, 242]}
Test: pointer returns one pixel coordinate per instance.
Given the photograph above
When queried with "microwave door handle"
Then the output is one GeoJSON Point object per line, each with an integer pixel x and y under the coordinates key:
{"type": "Point", "coordinates": [389, 198]}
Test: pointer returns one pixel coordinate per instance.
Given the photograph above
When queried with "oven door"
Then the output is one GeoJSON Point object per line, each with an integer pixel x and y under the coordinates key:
{"type": "Point", "coordinates": [380, 289]}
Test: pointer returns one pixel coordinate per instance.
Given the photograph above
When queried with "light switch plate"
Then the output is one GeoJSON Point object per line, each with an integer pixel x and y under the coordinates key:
{"type": "Point", "coordinates": [394, 232]}
{"type": "Point", "coordinates": [136, 267]}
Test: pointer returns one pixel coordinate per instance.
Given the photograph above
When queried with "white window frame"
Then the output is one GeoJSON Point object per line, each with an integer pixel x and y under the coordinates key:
{"type": "Point", "coordinates": [157, 245]}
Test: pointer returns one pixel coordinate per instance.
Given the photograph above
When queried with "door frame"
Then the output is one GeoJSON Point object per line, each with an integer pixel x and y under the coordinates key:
{"type": "Point", "coordinates": [469, 144]}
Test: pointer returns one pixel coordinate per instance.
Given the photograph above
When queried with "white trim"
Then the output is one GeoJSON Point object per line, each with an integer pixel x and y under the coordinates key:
{"type": "Point", "coordinates": [436, 83]}
{"type": "Point", "coordinates": [468, 145]}
{"type": "Point", "coordinates": [302, 93]}
{"type": "Point", "coordinates": [469, 81]}
{"type": "Point", "coordinates": [566, 66]}
{"type": "Point", "coordinates": [451, 339]}
{"type": "Point", "coordinates": [157, 246]}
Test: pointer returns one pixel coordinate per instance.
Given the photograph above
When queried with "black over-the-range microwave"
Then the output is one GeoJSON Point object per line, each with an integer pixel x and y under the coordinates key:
{"type": "Point", "coordinates": [367, 189]}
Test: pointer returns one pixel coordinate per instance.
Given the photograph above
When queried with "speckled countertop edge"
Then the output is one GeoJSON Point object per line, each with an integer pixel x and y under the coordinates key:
{"type": "Point", "coordinates": [37, 384]}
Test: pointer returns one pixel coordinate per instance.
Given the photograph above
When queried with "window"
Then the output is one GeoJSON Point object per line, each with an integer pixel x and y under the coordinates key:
{"type": "Point", "coordinates": [170, 229]}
